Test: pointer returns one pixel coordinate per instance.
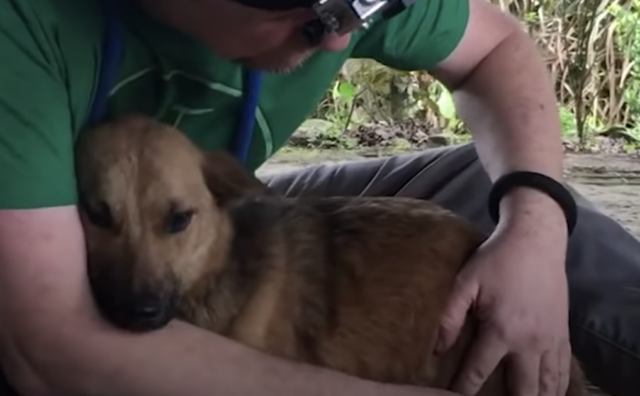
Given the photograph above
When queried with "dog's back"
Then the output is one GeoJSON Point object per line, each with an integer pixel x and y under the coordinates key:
{"type": "Point", "coordinates": [394, 261]}
{"type": "Point", "coordinates": [357, 285]}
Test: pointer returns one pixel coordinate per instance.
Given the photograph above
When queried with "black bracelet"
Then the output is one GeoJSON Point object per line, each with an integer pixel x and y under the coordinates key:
{"type": "Point", "coordinates": [545, 184]}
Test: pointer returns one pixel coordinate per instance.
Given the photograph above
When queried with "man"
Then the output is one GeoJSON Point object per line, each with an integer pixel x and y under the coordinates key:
{"type": "Point", "coordinates": [182, 63]}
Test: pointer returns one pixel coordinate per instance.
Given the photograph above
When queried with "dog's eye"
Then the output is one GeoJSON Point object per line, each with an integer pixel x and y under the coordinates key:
{"type": "Point", "coordinates": [178, 221]}
{"type": "Point", "coordinates": [100, 215]}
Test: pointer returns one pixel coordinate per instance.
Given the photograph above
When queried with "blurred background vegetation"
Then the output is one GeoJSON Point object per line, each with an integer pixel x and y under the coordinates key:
{"type": "Point", "coordinates": [591, 48]}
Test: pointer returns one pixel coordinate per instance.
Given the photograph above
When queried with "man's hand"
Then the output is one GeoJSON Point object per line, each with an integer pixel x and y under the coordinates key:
{"type": "Point", "coordinates": [516, 286]}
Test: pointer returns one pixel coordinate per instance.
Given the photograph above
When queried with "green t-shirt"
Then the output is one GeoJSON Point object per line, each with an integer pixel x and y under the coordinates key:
{"type": "Point", "coordinates": [51, 54]}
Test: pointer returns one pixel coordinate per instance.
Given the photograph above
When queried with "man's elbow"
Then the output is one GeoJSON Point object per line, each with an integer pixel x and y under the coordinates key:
{"type": "Point", "coordinates": [45, 301]}
{"type": "Point", "coordinates": [488, 29]}
{"type": "Point", "coordinates": [36, 366]}
{"type": "Point", "coordinates": [25, 377]}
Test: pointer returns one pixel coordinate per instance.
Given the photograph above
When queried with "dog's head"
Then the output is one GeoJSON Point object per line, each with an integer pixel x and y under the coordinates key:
{"type": "Point", "coordinates": [152, 207]}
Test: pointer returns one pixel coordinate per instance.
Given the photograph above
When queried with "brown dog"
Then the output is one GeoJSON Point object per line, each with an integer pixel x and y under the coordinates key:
{"type": "Point", "coordinates": [353, 284]}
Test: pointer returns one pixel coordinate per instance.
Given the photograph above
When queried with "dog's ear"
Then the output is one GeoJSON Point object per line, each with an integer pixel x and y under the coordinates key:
{"type": "Point", "coordinates": [228, 180]}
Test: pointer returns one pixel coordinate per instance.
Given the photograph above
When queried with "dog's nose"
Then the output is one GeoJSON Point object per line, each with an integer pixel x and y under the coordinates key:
{"type": "Point", "coordinates": [147, 307]}
{"type": "Point", "coordinates": [150, 311]}
{"type": "Point", "coordinates": [144, 309]}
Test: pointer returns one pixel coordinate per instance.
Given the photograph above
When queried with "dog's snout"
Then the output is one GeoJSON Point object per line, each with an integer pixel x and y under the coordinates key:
{"type": "Point", "coordinates": [135, 310]}
{"type": "Point", "coordinates": [146, 311]}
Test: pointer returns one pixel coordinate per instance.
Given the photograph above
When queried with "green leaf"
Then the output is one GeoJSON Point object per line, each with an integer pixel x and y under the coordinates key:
{"type": "Point", "coordinates": [346, 91]}
{"type": "Point", "coordinates": [446, 105]}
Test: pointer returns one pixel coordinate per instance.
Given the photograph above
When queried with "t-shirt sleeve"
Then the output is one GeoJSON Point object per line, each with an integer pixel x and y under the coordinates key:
{"type": "Point", "coordinates": [36, 136]}
{"type": "Point", "coordinates": [418, 38]}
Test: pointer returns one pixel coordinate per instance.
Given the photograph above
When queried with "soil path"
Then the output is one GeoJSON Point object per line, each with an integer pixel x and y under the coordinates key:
{"type": "Point", "coordinates": [610, 181]}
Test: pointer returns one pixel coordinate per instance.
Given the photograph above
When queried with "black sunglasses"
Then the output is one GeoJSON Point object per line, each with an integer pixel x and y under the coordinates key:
{"type": "Point", "coordinates": [334, 16]}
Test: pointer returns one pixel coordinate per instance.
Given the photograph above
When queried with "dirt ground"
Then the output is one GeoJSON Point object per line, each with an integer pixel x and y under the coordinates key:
{"type": "Point", "coordinates": [610, 181]}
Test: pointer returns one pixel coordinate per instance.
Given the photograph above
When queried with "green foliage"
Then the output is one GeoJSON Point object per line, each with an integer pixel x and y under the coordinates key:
{"type": "Point", "coordinates": [337, 110]}
{"type": "Point", "coordinates": [447, 109]}
{"type": "Point", "coordinates": [627, 29]}
{"type": "Point", "coordinates": [591, 47]}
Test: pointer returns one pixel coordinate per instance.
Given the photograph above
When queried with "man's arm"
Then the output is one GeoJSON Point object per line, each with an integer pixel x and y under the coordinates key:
{"type": "Point", "coordinates": [499, 82]}
{"type": "Point", "coordinates": [504, 94]}
{"type": "Point", "coordinates": [53, 342]}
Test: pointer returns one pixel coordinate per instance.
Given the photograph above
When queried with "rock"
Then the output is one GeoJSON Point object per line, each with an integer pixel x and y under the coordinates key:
{"type": "Point", "coordinates": [438, 141]}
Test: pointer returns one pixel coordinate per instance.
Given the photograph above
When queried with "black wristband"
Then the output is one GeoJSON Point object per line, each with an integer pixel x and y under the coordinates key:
{"type": "Point", "coordinates": [540, 182]}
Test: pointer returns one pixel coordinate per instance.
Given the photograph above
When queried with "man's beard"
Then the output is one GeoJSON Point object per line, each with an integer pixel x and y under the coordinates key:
{"type": "Point", "coordinates": [278, 67]}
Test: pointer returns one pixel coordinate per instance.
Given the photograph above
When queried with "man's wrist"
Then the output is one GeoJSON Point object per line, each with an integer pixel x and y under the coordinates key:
{"type": "Point", "coordinates": [532, 210]}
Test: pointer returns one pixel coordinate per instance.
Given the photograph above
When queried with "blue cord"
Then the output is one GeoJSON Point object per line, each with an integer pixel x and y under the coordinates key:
{"type": "Point", "coordinates": [252, 82]}
{"type": "Point", "coordinates": [112, 57]}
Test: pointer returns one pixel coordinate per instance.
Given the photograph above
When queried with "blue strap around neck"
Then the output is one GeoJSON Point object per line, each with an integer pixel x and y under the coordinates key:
{"type": "Point", "coordinates": [111, 59]}
{"type": "Point", "coordinates": [251, 85]}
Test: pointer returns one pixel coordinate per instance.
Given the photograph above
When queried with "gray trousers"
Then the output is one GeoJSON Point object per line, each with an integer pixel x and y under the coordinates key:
{"type": "Point", "coordinates": [604, 298]}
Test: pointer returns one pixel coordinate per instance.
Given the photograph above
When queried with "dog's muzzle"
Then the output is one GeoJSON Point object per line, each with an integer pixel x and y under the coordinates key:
{"type": "Point", "coordinates": [145, 309]}
{"type": "Point", "coordinates": [148, 311]}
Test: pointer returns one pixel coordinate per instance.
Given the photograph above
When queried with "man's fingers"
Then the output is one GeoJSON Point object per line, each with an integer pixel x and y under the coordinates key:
{"type": "Point", "coordinates": [481, 361]}
{"type": "Point", "coordinates": [524, 374]}
{"type": "Point", "coordinates": [566, 364]}
{"type": "Point", "coordinates": [454, 315]}
{"type": "Point", "coordinates": [549, 373]}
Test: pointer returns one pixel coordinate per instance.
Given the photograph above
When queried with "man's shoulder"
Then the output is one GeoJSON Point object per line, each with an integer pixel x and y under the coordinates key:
{"type": "Point", "coordinates": [57, 27]}
{"type": "Point", "coordinates": [64, 33]}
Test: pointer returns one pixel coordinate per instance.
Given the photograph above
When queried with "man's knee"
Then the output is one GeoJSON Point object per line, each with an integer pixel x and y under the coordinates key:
{"type": "Point", "coordinates": [604, 287]}
{"type": "Point", "coordinates": [419, 175]}
{"type": "Point", "coordinates": [602, 250]}
{"type": "Point", "coordinates": [605, 334]}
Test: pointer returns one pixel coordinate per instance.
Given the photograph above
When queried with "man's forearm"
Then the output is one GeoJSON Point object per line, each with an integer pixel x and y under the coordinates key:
{"type": "Point", "coordinates": [509, 105]}
{"type": "Point", "coordinates": [184, 360]}
{"type": "Point", "coordinates": [178, 360]}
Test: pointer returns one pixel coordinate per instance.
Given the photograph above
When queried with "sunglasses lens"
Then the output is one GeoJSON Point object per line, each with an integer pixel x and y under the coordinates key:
{"type": "Point", "coordinates": [314, 31]}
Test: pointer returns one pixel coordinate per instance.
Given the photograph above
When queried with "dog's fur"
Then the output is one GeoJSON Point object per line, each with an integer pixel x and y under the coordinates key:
{"type": "Point", "coordinates": [353, 284]}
